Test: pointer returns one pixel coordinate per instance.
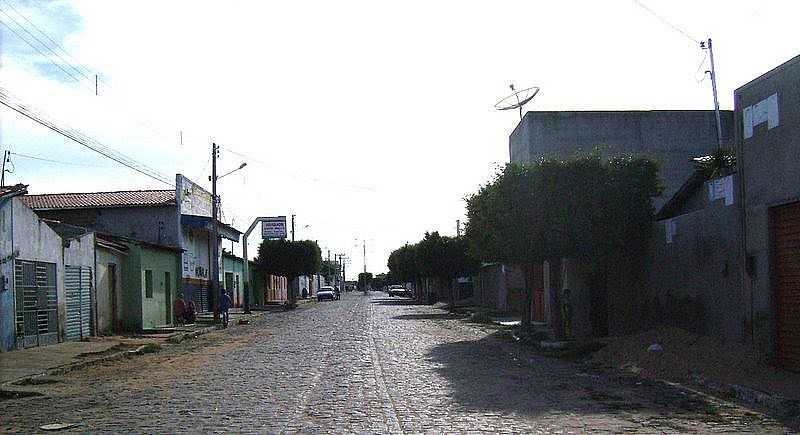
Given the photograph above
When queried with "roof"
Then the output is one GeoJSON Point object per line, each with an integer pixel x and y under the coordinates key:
{"type": "Point", "coordinates": [17, 189]}
{"type": "Point", "coordinates": [121, 240]}
{"type": "Point", "coordinates": [121, 199]}
{"type": "Point", "coordinates": [204, 222]}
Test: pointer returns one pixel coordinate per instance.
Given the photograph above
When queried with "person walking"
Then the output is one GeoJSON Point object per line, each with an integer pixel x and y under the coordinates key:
{"type": "Point", "coordinates": [224, 306]}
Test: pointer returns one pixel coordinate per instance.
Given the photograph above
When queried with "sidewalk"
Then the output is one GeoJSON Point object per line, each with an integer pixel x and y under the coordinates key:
{"type": "Point", "coordinates": [17, 366]}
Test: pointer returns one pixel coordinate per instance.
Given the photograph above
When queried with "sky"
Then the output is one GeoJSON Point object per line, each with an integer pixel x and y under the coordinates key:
{"type": "Point", "coordinates": [370, 121]}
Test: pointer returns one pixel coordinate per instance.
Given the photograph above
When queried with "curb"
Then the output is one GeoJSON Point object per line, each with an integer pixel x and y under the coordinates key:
{"type": "Point", "coordinates": [108, 358]}
{"type": "Point", "coordinates": [177, 338]}
{"type": "Point", "coordinates": [775, 403]}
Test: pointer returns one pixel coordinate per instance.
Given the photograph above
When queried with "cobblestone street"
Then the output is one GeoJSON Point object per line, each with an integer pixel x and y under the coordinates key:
{"type": "Point", "coordinates": [363, 364]}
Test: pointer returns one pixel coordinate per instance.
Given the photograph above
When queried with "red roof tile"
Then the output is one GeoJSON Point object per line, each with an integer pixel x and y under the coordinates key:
{"type": "Point", "coordinates": [15, 189]}
{"type": "Point", "coordinates": [130, 198]}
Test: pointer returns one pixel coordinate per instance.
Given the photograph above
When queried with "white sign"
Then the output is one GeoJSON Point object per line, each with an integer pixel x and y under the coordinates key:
{"type": "Point", "coordinates": [765, 110]}
{"type": "Point", "coordinates": [194, 200]}
{"type": "Point", "coordinates": [671, 229]}
{"type": "Point", "coordinates": [273, 228]}
{"type": "Point", "coordinates": [721, 188]}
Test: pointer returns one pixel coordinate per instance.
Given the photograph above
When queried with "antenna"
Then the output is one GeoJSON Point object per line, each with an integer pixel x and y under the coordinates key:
{"type": "Point", "coordinates": [517, 99]}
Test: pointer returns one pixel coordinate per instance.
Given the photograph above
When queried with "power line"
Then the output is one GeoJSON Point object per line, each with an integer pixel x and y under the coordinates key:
{"type": "Point", "coordinates": [666, 22]}
{"type": "Point", "coordinates": [56, 44]}
{"type": "Point", "coordinates": [82, 139]}
{"type": "Point", "coordinates": [39, 50]}
{"type": "Point", "coordinates": [60, 162]}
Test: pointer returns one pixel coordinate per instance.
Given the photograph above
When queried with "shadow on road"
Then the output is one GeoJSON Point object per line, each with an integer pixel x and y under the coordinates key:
{"type": "Point", "coordinates": [396, 301]}
{"type": "Point", "coordinates": [491, 375]}
{"type": "Point", "coordinates": [429, 316]}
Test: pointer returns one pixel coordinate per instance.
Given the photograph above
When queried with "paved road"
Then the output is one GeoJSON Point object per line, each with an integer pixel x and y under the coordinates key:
{"type": "Point", "coordinates": [363, 364]}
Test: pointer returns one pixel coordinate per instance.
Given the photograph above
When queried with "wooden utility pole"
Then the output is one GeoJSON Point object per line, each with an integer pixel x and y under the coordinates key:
{"type": "Point", "coordinates": [293, 228]}
{"type": "Point", "coordinates": [3, 170]}
{"type": "Point", "coordinates": [214, 287]}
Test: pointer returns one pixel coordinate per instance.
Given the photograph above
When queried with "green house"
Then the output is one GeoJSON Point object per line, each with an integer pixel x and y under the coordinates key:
{"type": "Point", "coordinates": [151, 275]}
{"type": "Point", "coordinates": [233, 278]}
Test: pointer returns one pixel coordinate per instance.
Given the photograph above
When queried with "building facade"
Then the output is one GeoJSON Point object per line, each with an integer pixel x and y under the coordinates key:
{"type": "Point", "coordinates": [767, 113]}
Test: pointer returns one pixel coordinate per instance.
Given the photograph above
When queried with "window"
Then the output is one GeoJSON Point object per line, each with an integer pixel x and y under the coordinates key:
{"type": "Point", "coordinates": [167, 282]}
{"type": "Point", "coordinates": [148, 284]}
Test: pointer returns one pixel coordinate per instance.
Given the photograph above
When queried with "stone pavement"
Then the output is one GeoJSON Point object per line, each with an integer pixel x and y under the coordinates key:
{"type": "Point", "coordinates": [364, 364]}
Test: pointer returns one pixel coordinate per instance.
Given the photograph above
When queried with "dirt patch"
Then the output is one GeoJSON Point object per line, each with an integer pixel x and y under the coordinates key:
{"type": "Point", "coordinates": [12, 395]}
{"type": "Point", "coordinates": [686, 357]}
{"type": "Point", "coordinates": [110, 351]}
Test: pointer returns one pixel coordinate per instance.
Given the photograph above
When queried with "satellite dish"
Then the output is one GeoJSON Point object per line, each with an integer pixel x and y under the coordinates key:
{"type": "Point", "coordinates": [517, 99]}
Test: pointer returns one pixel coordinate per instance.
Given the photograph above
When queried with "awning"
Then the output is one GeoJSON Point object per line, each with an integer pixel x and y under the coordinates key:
{"type": "Point", "coordinates": [204, 223]}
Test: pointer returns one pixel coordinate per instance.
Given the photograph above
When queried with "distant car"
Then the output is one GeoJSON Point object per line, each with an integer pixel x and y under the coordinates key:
{"type": "Point", "coordinates": [327, 293]}
{"type": "Point", "coordinates": [398, 290]}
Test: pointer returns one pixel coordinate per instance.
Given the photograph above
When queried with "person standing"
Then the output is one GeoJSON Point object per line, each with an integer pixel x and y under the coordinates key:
{"type": "Point", "coordinates": [224, 306]}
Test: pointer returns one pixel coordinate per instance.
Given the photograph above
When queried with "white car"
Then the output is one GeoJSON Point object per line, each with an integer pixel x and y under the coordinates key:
{"type": "Point", "coordinates": [398, 290]}
{"type": "Point", "coordinates": [327, 293]}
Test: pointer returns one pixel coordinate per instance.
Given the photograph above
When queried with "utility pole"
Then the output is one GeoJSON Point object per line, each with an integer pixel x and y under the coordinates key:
{"type": "Point", "coordinates": [293, 228]}
{"type": "Point", "coordinates": [95, 85]}
{"type": "Point", "coordinates": [214, 229]}
{"type": "Point", "coordinates": [713, 73]}
{"type": "Point", "coordinates": [6, 158]}
{"type": "Point", "coordinates": [458, 227]}
{"type": "Point", "coordinates": [365, 255]}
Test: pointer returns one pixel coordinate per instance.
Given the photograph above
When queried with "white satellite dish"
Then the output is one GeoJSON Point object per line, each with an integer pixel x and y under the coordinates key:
{"type": "Point", "coordinates": [517, 99]}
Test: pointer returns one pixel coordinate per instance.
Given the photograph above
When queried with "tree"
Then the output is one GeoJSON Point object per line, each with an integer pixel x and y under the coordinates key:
{"type": "Point", "coordinates": [329, 269]}
{"type": "Point", "coordinates": [380, 281]}
{"type": "Point", "coordinates": [364, 280]}
{"type": "Point", "coordinates": [402, 264]}
{"type": "Point", "coordinates": [581, 207]}
{"type": "Point", "coordinates": [290, 259]}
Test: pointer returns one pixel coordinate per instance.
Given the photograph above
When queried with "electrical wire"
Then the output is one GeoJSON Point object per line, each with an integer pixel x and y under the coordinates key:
{"type": "Point", "coordinates": [40, 51]}
{"type": "Point", "coordinates": [60, 162]}
{"type": "Point", "coordinates": [666, 22]}
{"type": "Point", "coordinates": [295, 175]}
{"type": "Point", "coordinates": [56, 44]}
{"type": "Point", "coordinates": [7, 100]}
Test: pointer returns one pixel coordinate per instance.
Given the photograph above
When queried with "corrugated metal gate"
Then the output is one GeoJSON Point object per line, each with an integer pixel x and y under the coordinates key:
{"type": "Point", "coordinates": [785, 228]}
{"type": "Point", "coordinates": [78, 290]}
{"type": "Point", "coordinates": [36, 303]}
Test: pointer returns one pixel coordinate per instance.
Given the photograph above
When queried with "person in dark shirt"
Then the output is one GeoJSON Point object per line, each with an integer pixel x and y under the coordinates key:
{"type": "Point", "coordinates": [224, 306]}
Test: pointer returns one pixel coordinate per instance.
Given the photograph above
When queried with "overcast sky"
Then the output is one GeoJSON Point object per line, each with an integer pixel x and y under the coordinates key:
{"type": "Point", "coordinates": [368, 120]}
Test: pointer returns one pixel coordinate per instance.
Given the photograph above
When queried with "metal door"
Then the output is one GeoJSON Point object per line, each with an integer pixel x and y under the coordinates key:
{"type": "Point", "coordinates": [36, 303]}
{"type": "Point", "coordinates": [785, 228]}
{"type": "Point", "coordinates": [77, 286]}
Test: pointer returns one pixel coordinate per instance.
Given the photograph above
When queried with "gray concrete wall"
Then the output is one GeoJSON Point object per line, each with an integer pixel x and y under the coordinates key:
{"type": "Point", "coordinates": [694, 281]}
{"type": "Point", "coordinates": [150, 224]}
{"type": "Point", "coordinates": [671, 137]}
{"type": "Point", "coordinates": [769, 162]}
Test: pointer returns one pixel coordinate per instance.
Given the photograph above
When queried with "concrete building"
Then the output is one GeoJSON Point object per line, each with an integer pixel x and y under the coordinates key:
{"type": "Point", "coordinates": [233, 278]}
{"type": "Point", "coordinates": [150, 277]}
{"type": "Point", "coordinates": [33, 306]}
{"type": "Point", "coordinates": [767, 113]}
{"type": "Point", "coordinates": [672, 137]}
{"type": "Point", "coordinates": [179, 218]}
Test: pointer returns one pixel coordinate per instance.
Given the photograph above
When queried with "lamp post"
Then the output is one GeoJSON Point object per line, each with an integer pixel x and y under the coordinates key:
{"type": "Point", "coordinates": [215, 223]}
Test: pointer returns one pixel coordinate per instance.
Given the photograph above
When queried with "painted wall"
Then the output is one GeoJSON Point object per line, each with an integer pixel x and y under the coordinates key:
{"type": "Point", "coordinates": [235, 267]}
{"type": "Point", "coordinates": [768, 152]}
{"type": "Point", "coordinates": [156, 310]}
{"type": "Point", "coordinates": [108, 298]}
{"type": "Point", "coordinates": [130, 307]}
{"type": "Point", "coordinates": [27, 238]}
{"type": "Point", "coordinates": [671, 137]}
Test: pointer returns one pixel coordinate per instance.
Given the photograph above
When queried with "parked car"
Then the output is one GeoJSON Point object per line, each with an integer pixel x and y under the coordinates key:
{"type": "Point", "coordinates": [327, 293]}
{"type": "Point", "coordinates": [399, 290]}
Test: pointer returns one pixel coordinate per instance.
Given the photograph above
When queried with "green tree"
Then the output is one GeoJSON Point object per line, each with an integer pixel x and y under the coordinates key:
{"type": "Point", "coordinates": [380, 280]}
{"type": "Point", "coordinates": [581, 207]}
{"type": "Point", "coordinates": [364, 280]}
{"type": "Point", "coordinates": [290, 259]}
{"type": "Point", "coordinates": [329, 269]}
